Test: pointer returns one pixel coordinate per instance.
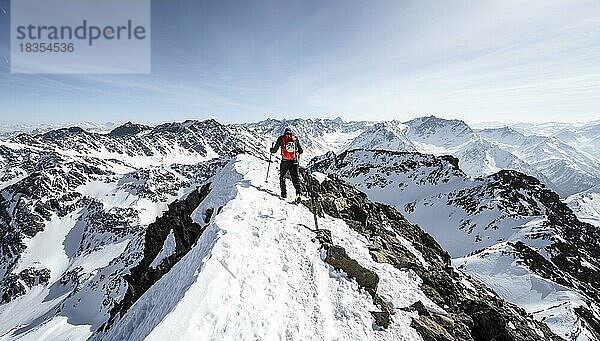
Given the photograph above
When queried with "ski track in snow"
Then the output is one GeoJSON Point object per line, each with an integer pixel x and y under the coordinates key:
{"type": "Point", "coordinates": [256, 273]}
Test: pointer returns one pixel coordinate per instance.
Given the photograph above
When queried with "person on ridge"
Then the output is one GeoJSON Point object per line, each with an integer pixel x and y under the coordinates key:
{"type": "Point", "coordinates": [290, 150]}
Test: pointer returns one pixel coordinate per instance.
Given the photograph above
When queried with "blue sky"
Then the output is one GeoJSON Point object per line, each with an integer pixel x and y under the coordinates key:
{"type": "Point", "coordinates": [246, 60]}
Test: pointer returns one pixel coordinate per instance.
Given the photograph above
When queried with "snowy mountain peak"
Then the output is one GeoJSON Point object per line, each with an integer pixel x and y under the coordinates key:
{"type": "Point", "coordinates": [389, 135]}
{"type": "Point", "coordinates": [431, 125]}
{"type": "Point", "coordinates": [63, 133]}
{"type": "Point", "coordinates": [128, 129]}
{"type": "Point", "coordinates": [502, 131]}
{"type": "Point", "coordinates": [440, 136]}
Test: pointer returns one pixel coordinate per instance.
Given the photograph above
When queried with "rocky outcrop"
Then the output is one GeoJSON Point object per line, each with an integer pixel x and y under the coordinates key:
{"type": "Point", "coordinates": [474, 312]}
{"type": "Point", "coordinates": [128, 129]}
{"type": "Point", "coordinates": [337, 257]}
{"type": "Point", "coordinates": [15, 285]}
{"type": "Point", "coordinates": [186, 232]}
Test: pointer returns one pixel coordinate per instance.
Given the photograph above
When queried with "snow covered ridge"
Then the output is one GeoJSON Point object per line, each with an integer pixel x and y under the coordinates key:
{"type": "Point", "coordinates": [85, 230]}
{"type": "Point", "coordinates": [258, 271]}
{"type": "Point", "coordinates": [506, 229]}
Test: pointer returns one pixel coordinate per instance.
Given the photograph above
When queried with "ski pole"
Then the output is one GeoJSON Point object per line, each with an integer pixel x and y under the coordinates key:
{"type": "Point", "coordinates": [269, 166]}
{"type": "Point", "coordinates": [312, 197]}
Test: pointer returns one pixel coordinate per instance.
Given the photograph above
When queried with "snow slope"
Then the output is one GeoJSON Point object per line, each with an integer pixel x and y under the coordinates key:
{"type": "Point", "coordinates": [586, 205]}
{"type": "Point", "coordinates": [500, 268]}
{"type": "Point", "coordinates": [257, 273]}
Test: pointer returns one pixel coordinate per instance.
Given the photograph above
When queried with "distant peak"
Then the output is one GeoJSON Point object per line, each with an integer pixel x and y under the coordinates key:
{"type": "Point", "coordinates": [432, 123]}
{"type": "Point", "coordinates": [503, 129]}
{"type": "Point", "coordinates": [63, 132]}
{"type": "Point", "coordinates": [128, 129]}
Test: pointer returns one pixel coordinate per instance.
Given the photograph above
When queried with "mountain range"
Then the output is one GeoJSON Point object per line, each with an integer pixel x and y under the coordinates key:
{"type": "Point", "coordinates": [428, 229]}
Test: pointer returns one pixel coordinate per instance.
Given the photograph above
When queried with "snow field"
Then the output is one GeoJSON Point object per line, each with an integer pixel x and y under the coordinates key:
{"type": "Point", "coordinates": [586, 206]}
{"type": "Point", "coordinates": [550, 302]}
{"type": "Point", "coordinates": [47, 249]}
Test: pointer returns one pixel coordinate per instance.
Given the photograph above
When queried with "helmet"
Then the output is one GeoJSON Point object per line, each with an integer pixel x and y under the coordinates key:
{"type": "Point", "coordinates": [287, 130]}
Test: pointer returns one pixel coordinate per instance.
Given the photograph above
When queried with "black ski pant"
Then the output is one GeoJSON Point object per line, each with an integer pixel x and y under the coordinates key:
{"type": "Point", "coordinates": [292, 167]}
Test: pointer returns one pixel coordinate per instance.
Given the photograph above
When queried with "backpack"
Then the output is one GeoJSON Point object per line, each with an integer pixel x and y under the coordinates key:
{"type": "Point", "coordinates": [288, 147]}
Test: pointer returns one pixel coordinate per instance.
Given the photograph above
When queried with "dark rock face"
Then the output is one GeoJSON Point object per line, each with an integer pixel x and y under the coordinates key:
{"type": "Point", "coordinates": [128, 129]}
{"type": "Point", "coordinates": [430, 330]}
{"type": "Point", "coordinates": [339, 259]}
{"type": "Point", "coordinates": [186, 232]}
{"type": "Point", "coordinates": [15, 285]}
{"type": "Point", "coordinates": [11, 245]}
{"type": "Point", "coordinates": [63, 132]}
{"type": "Point", "coordinates": [473, 313]}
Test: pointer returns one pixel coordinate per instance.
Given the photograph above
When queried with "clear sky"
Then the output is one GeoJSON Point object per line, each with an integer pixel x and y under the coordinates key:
{"type": "Point", "coordinates": [509, 60]}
